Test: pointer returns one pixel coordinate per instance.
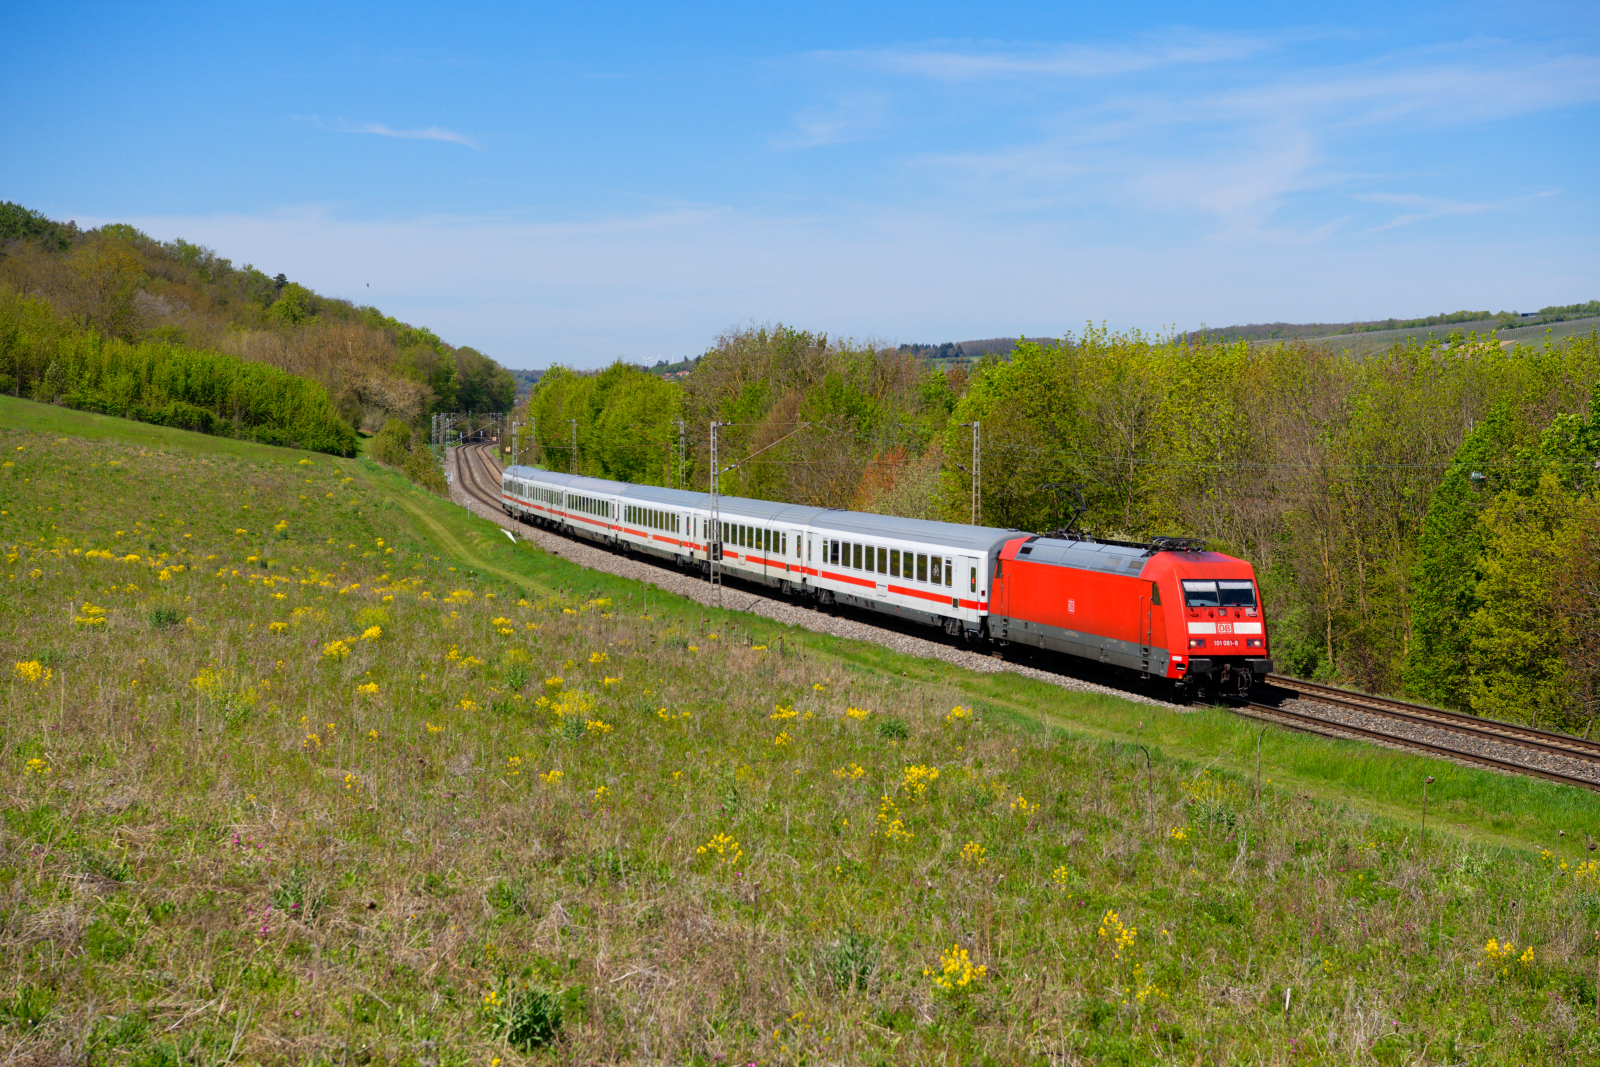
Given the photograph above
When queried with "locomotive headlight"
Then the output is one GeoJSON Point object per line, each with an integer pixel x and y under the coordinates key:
{"type": "Point", "coordinates": [1197, 642]}
{"type": "Point", "coordinates": [1254, 642]}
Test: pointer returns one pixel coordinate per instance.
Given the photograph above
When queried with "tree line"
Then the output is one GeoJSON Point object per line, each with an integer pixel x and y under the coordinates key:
{"type": "Point", "coordinates": [50, 359]}
{"type": "Point", "coordinates": [1380, 497]}
{"type": "Point", "coordinates": [111, 320]}
{"type": "Point", "coordinates": [123, 285]}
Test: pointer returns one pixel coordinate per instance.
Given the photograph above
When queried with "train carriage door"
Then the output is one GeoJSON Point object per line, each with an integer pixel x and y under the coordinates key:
{"type": "Point", "coordinates": [966, 586]}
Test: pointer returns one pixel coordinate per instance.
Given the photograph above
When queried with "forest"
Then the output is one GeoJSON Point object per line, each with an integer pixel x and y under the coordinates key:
{"type": "Point", "coordinates": [125, 296]}
{"type": "Point", "coordinates": [1424, 521]}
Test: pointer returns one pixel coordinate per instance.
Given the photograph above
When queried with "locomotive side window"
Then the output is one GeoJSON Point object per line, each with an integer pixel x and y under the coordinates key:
{"type": "Point", "coordinates": [1155, 594]}
{"type": "Point", "coordinates": [1200, 594]}
{"type": "Point", "coordinates": [1237, 594]}
{"type": "Point", "coordinates": [894, 563]}
{"type": "Point", "coordinates": [922, 567]}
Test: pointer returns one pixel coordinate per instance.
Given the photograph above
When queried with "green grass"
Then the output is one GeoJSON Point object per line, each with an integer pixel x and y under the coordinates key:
{"type": "Point", "coordinates": [219, 844]}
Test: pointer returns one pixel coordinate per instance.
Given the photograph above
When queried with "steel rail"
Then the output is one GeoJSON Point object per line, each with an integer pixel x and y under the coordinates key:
{"type": "Point", "coordinates": [1491, 729]}
{"type": "Point", "coordinates": [1473, 726]}
{"type": "Point", "coordinates": [1332, 729]}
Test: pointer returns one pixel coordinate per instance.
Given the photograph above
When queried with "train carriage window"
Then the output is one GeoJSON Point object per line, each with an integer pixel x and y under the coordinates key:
{"type": "Point", "coordinates": [949, 574]}
{"type": "Point", "coordinates": [766, 540]}
{"type": "Point", "coordinates": [922, 567]}
{"type": "Point", "coordinates": [1200, 594]}
{"type": "Point", "coordinates": [894, 563]}
{"type": "Point", "coordinates": [936, 571]}
{"type": "Point", "coordinates": [857, 563]}
{"type": "Point", "coordinates": [1237, 594]}
{"type": "Point", "coordinates": [833, 553]}
{"type": "Point", "coordinates": [883, 560]}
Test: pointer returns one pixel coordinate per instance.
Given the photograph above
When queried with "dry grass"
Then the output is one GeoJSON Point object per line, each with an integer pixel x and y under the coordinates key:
{"type": "Point", "coordinates": [227, 850]}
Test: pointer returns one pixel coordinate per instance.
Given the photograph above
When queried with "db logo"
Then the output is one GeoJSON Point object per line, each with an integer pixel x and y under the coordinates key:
{"type": "Point", "coordinates": [1072, 606]}
{"type": "Point", "coordinates": [1224, 627]}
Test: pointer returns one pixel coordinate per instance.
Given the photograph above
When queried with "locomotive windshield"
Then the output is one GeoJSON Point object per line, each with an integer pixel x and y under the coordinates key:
{"type": "Point", "coordinates": [1219, 594]}
{"type": "Point", "coordinates": [1237, 594]}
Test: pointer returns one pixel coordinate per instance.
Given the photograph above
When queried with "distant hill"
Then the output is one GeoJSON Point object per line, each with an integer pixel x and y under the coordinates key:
{"type": "Point", "coordinates": [1559, 320]}
{"type": "Point", "coordinates": [1463, 321]}
{"type": "Point", "coordinates": [969, 351]}
{"type": "Point", "coordinates": [526, 380]}
{"type": "Point", "coordinates": [124, 284]}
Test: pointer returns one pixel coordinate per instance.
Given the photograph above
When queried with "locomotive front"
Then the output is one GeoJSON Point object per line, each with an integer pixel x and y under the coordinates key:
{"type": "Point", "coordinates": [1217, 630]}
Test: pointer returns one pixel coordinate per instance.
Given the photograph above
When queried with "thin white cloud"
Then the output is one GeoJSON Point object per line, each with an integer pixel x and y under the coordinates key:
{"type": "Point", "coordinates": [1064, 61]}
{"type": "Point", "coordinates": [1433, 207]}
{"type": "Point", "coordinates": [849, 117]}
{"type": "Point", "coordinates": [431, 133]}
{"type": "Point", "coordinates": [1238, 156]}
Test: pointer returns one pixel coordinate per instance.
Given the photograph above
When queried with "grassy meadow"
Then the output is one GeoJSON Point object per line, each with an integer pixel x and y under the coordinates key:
{"type": "Point", "coordinates": [302, 766]}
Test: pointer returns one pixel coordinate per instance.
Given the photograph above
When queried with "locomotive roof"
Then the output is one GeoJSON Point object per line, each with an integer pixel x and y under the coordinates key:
{"type": "Point", "coordinates": [1086, 555]}
{"type": "Point", "coordinates": [1109, 558]}
{"type": "Point", "coordinates": [866, 524]}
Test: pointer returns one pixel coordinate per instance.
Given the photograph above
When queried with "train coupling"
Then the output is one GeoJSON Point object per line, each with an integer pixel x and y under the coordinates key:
{"type": "Point", "coordinates": [1225, 676]}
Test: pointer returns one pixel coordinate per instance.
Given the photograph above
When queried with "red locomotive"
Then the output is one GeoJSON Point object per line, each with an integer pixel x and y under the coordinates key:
{"type": "Point", "coordinates": [1168, 609]}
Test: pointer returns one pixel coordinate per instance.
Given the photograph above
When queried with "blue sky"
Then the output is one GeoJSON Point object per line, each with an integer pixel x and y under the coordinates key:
{"type": "Point", "coordinates": [576, 183]}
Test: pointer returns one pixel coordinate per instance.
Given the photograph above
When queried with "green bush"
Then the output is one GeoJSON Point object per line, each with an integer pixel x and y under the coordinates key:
{"type": "Point", "coordinates": [423, 470]}
{"type": "Point", "coordinates": [392, 445]}
{"type": "Point", "coordinates": [53, 360]}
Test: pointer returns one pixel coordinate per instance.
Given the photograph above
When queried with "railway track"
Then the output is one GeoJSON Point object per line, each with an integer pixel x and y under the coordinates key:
{"type": "Point", "coordinates": [1464, 736]}
{"type": "Point", "coordinates": [480, 476]}
{"type": "Point", "coordinates": [1318, 724]}
{"type": "Point", "coordinates": [1492, 729]}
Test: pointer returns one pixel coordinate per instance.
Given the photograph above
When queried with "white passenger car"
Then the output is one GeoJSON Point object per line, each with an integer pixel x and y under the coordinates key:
{"type": "Point", "coordinates": [932, 572]}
